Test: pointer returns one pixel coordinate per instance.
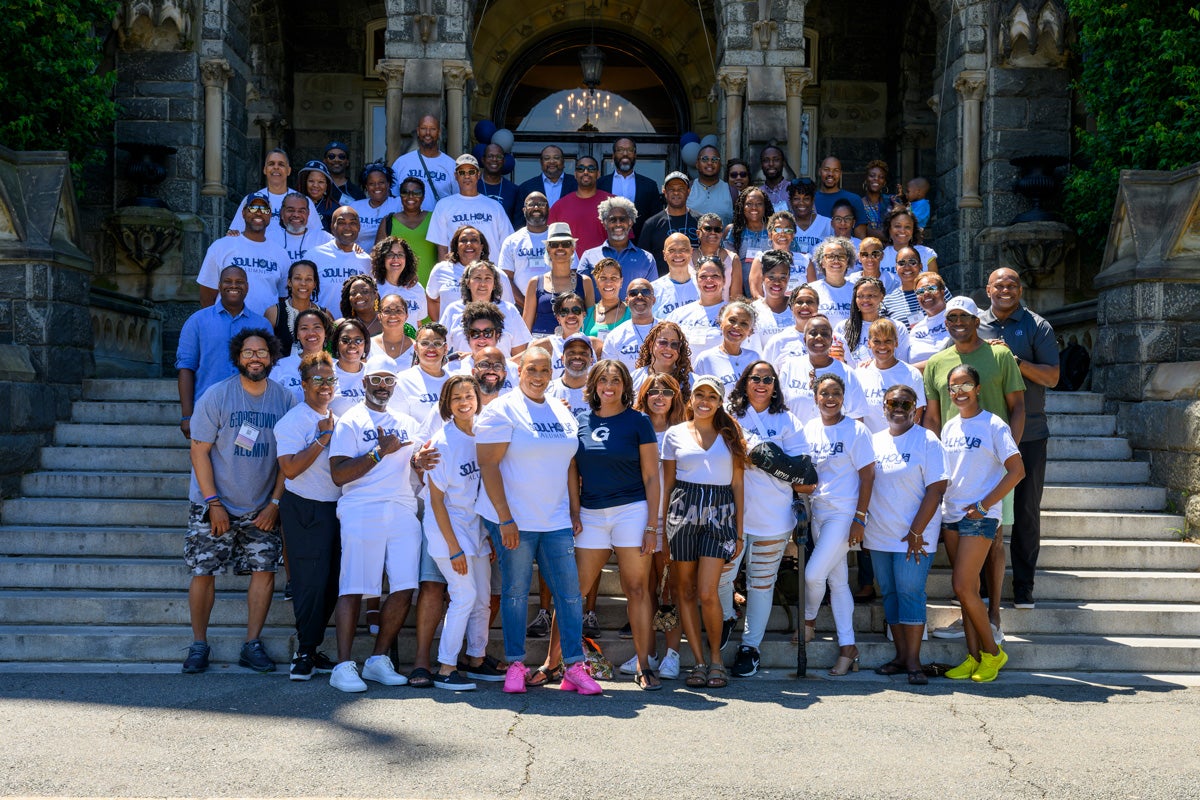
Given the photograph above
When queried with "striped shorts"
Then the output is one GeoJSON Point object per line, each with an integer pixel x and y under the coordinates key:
{"type": "Point", "coordinates": [701, 522]}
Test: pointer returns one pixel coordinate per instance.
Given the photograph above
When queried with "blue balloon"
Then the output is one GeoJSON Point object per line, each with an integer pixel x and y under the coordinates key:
{"type": "Point", "coordinates": [688, 138]}
{"type": "Point", "coordinates": [689, 153]}
{"type": "Point", "coordinates": [710, 141]}
{"type": "Point", "coordinates": [478, 151]}
{"type": "Point", "coordinates": [510, 163]}
{"type": "Point", "coordinates": [484, 130]}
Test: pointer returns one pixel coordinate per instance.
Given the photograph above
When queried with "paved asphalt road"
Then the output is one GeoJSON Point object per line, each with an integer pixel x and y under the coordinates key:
{"type": "Point", "coordinates": [230, 733]}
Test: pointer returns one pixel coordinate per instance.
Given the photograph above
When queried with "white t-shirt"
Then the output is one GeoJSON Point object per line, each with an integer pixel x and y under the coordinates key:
{"type": "Point", "coordinates": [542, 439]}
{"type": "Point", "coordinates": [976, 450]}
{"type": "Point", "coordinates": [574, 397]}
{"type": "Point", "coordinates": [523, 256]}
{"type": "Point", "coordinates": [334, 267]}
{"type": "Point", "coordinates": [446, 278]}
{"type": "Point", "coordinates": [834, 301]}
{"type": "Point", "coordinates": [768, 324]}
{"type": "Point", "coordinates": [725, 367]}
{"type": "Point", "coordinates": [457, 477]}
{"type": "Point", "coordinates": [478, 211]}
{"type": "Point", "coordinates": [296, 431]}
{"type": "Point", "coordinates": [890, 280]}
{"type": "Point", "coordinates": [788, 342]}
{"type": "Point", "coordinates": [817, 232]}
{"type": "Point", "coordinates": [838, 453]}
{"type": "Point", "coordinates": [238, 223]}
{"type": "Point", "coordinates": [769, 500]}
{"type": "Point", "coordinates": [440, 175]}
{"type": "Point", "coordinates": [863, 352]}
{"type": "Point", "coordinates": [414, 296]}
{"type": "Point", "coordinates": [624, 342]}
{"type": "Point", "coordinates": [875, 383]}
{"type": "Point", "coordinates": [699, 325]}
{"type": "Point", "coordinates": [927, 337]}
{"type": "Point", "coordinates": [516, 333]}
{"type": "Point", "coordinates": [296, 245]}
{"type": "Point", "coordinates": [669, 295]}
{"type": "Point", "coordinates": [887, 264]}
{"type": "Point", "coordinates": [370, 218]}
{"type": "Point", "coordinates": [694, 464]}
{"type": "Point", "coordinates": [796, 376]}
{"type": "Point", "coordinates": [266, 265]}
{"type": "Point", "coordinates": [350, 390]}
{"type": "Point", "coordinates": [417, 392]}
{"type": "Point", "coordinates": [388, 481]}
{"type": "Point", "coordinates": [286, 373]}
{"type": "Point", "coordinates": [904, 466]}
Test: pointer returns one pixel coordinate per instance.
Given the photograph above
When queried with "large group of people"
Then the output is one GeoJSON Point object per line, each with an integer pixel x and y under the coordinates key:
{"type": "Point", "coordinates": [410, 393]}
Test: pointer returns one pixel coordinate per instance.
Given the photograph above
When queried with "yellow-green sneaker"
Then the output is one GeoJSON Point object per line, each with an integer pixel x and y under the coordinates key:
{"type": "Point", "coordinates": [964, 670]}
{"type": "Point", "coordinates": [989, 666]}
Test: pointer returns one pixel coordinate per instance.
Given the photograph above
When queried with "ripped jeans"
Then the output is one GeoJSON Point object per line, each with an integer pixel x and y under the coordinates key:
{"type": "Point", "coordinates": [763, 555]}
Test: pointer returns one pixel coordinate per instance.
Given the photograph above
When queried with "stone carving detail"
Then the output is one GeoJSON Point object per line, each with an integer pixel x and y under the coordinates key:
{"type": "Point", "coordinates": [1040, 25]}
{"type": "Point", "coordinates": [558, 12]}
{"type": "Point", "coordinates": [392, 71]}
{"type": "Point", "coordinates": [794, 81]}
{"type": "Point", "coordinates": [971, 85]}
{"type": "Point", "coordinates": [154, 24]}
{"type": "Point", "coordinates": [457, 75]}
{"type": "Point", "coordinates": [214, 72]}
{"type": "Point", "coordinates": [734, 81]}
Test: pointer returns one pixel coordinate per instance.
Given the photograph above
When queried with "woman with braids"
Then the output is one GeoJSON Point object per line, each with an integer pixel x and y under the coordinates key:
{"type": "Point", "coordinates": [394, 266]}
{"type": "Point", "coordinates": [377, 180]}
{"type": "Point", "coordinates": [747, 235]}
{"type": "Point", "coordinates": [665, 352]}
{"type": "Point", "coordinates": [360, 301]}
{"type": "Point", "coordinates": [851, 333]}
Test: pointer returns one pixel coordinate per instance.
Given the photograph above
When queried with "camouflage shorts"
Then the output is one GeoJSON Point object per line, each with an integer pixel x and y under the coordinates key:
{"type": "Point", "coordinates": [244, 547]}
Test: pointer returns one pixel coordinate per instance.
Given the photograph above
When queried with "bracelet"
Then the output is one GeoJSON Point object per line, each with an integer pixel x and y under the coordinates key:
{"type": "Point", "coordinates": [456, 555]}
{"type": "Point", "coordinates": [213, 499]}
{"type": "Point", "coordinates": [374, 455]}
{"type": "Point", "coordinates": [506, 522]}
{"type": "Point", "coordinates": [979, 508]}
{"type": "Point", "coordinates": [185, 419]}
{"type": "Point", "coordinates": [649, 529]}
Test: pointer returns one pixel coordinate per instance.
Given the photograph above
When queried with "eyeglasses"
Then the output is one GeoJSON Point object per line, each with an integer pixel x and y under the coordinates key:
{"type": "Point", "coordinates": [674, 344]}
{"type": "Point", "coordinates": [356, 341]}
{"type": "Point", "coordinates": [381, 380]}
{"type": "Point", "coordinates": [586, 168]}
{"type": "Point", "coordinates": [321, 380]}
{"type": "Point", "coordinates": [434, 344]}
{"type": "Point", "coordinates": [709, 159]}
{"type": "Point", "coordinates": [394, 311]}
{"type": "Point", "coordinates": [871, 254]}
{"type": "Point", "coordinates": [567, 311]}
{"type": "Point", "coordinates": [482, 333]}
{"type": "Point", "coordinates": [902, 405]}
{"type": "Point", "coordinates": [783, 230]}
{"type": "Point", "coordinates": [710, 228]}
{"type": "Point", "coordinates": [640, 293]}
{"type": "Point", "coordinates": [836, 258]}
{"type": "Point", "coordinates": [412, 193]}
{"type": "Point", "coordinates": [927, 290]}
{"type": "Point", "coordinates": [843, 219]}
{"type": "Point", "coordinates": [248, 353]}
{"type": "Point", "coordinates": [491, 366]}
{"type": "Point", "coordinates": [392, 254]}
{"type": "Point", "coordinates": [908, 262]}
{"type": "Point", "coordinates": [660, 393]}
{"type": "Point", "coordinates": [765, 380]}
{"type": "Point", "coordinates": [960, 388]}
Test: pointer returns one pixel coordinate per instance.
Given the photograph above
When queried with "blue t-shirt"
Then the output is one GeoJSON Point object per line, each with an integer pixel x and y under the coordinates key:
{"type": "Point", "coordinates": [608, 459]}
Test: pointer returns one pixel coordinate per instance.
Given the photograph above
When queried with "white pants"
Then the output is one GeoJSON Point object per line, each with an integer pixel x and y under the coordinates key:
{"type": "Point", "coordinates": [467, 615]}
{"type": "Point", "coordinates": [831, 534]}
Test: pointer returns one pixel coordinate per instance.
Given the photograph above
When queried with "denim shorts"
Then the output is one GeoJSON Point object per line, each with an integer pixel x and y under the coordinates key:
{"type": "Point", "coordinates": [985, 527]}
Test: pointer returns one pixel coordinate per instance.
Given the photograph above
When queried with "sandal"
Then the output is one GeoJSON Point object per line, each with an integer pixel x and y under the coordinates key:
{"type": "Point", "coordinates": [642, 679]}
{"type": "Point", "coordinates": [917, 678]}
{"type": "Point", "coordinates": [543, 675]}
{"type": "Point", "coordinates": [420, 678]}
{"type": "Point", "coordinates": [890, 668]}
{"type": "Point", "coordinates": [717, 677]}
{"type": "Point", "coordinates": [698, 677]}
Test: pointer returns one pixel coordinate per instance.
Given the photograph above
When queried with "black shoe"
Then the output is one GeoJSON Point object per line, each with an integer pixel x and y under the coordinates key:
{"type": "Point", "coordinates": [454, 682]}
{"type": "Point", "coordinates": [254, 656]}
{"type": "Point", "coordinates": [1024, 599]}
{"type": "Point", "coordinates": [488, 671]}
{"type": "Point", "coordinates": [540, 627]}
{"type": "Point", "coordinates": [302, 667]}
{"type": "Point", "coordinates": [746, 663]}
{"type": "Point", "coordinates": [287, 591]}
{"type": "Point", "coordinates": [727, 631]}
{"type": "Point", "coordinates": [626, 632]}
{"type": "Point", "coordinates": [197, 658]}
{"type": "Point", "coordinates": [322, 665]}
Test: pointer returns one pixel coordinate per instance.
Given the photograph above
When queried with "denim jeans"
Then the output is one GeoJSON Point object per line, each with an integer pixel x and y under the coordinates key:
{"type": "Point", "coordinates": [985, 527]}
{"type": "Point", "coordinates": [902, 582]}
{"type": "Point", "coordinates": [555, 554]}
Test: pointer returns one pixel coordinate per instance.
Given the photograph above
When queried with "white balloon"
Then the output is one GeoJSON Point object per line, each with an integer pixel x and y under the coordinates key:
{"type": "Point", "coordinates": [689, 153]}
{"type": "Point", "coordinates": [504, 138]}
{"type": "Point", "coordinates": [708, 141]}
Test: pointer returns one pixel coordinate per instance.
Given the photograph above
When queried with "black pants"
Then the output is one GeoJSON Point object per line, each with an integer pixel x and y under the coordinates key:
{"type": "Point", "coordinates": [1025, 539]}
{"type": "Point", "coordinates": [312, 537]}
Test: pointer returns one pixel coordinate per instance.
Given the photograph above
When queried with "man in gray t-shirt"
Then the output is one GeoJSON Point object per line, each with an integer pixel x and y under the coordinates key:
{"type": "Point", "coordinates": [233, 515]}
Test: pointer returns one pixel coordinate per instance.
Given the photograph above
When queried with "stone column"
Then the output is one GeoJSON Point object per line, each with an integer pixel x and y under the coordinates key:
{"type": "Point", "coordinates": [971, 85]}
{"type": "Point", "coordinates": [795, 80]}
{"type": "Point", "coordinates": [392, 70]}
{"type": "Point", "coordinates": [733, 82]}
{"type": "Point", "coordinates": [456, 74]}
{"type": "Point", "coordinates": [214, 73]}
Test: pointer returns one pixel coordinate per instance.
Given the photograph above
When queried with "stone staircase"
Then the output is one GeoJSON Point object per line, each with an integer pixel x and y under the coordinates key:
{"type": "Point", "coordinates": [91, 558]}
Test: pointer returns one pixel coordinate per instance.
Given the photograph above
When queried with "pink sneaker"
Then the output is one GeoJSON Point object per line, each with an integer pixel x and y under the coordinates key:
{"type": "Point", "coordinates": [578, 679]}
{"type": "Point", "coordinates": [514, 678]}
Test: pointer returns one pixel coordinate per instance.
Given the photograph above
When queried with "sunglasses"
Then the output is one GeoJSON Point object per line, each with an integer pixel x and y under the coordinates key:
{"type": "Point", "coordinates": [467, 173]}
{"type": "Point", "coordinates": [258, 209]}
{"type": "Point", "coordinates": [660, 393]}
{"type": "Point", "coordinates": [710, 228]}
{"type": "Point", "coordinates": [927, 290]}
{"type": "Point", "coordinates": [482, 333]}
{"type": "Point", "coordinates": [871, 254]}
{"type": "Point", "coordinates": [902, 405]}
{"type": "Point", "coordinates": [587, 168]}
{"type": "Point", "coordinates": [321, 380]}
{"type": "Point", "coordinates": [640, 293]}
{"type": "Point", "coordinates": [739, 174]}
{"type": "Point", "coordinates": [348, 341]}
{"type": "Point", "coordinates": [381, 380]}
{"type": "Point", "coordinates": [907, 262]}
{"type": "Point", "coordinates": [960, 388]}
{"type": "Point", "coordinates": [674, 344]}
{"type": "Point", "coordinates": [559, 245]}
{"type": "Point", "coordinates": [783, 230]}
{"type": "Point", "coordinates": [411, 193]}
{"type": "Point", "coordinates": [709, 159]}
{"type": "Point", "coordinates": [567, 311]}
{"type": "Point", "coordinates": [765, 380]}
{"type": "Point", "coordinates": [434, 344]}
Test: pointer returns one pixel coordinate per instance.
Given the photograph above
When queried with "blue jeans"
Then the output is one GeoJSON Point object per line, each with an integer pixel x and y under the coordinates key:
{"type": "Point", "coordinates": [555, 553]}
{"type": "Point", "coordinates": [985, 527]}
{"type": "Point", "coordinates": [903, 585]}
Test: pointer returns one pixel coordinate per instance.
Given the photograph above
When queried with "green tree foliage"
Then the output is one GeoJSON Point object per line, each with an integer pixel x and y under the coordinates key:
{"type": "Point", "coordinates": [1140, 82]}
{"type": "Point", "coordinates": [52, 94]}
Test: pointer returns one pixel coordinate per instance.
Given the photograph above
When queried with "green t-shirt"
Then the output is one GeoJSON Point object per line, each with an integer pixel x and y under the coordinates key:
{"type": "Point", "coordinates": [998, 374]}
{"type": "Point", "coordinates": [423, 249]}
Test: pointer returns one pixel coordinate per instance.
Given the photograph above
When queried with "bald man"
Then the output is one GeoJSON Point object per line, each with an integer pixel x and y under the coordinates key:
{"type": "Point", "coordinates": [340, 259]}
{"type": "Point", "coordinates": [829, 188]}
{"type": "Point", "coordinates": [433, 167]}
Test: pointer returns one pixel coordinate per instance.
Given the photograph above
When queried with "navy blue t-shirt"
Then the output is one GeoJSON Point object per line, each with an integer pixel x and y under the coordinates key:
{"type": "Point", "coordinates": [608, 459]}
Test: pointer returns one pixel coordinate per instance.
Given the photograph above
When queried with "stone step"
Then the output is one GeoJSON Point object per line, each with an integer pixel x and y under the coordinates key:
{"type": "Point", "coordinates": [1081, 617]}
{"type": "Point", "coordinates": [131, 390]}
{"type": "Point", "coordinates": [1143, 586]}
{"type": "Point", "coordinates": [72, 511]}
{"type": "Point", "coordinates": [1089, 472]}
{"type": "Point", "coordinates": [95, 434]}
{"type": "Point", "coordinates": [1088, 448]}
{"type": "Point", "coordinates": [1111, 525]}
{"type": "Point", "coordinates": [123, 459]}
{"type": "Point", "coordinates": [103, 485]}
{"type": "Point", "coordinates": [113, 412]}
{"type": "Point", "coordinates": [71, 540]}
{"type": "Point", "coordinates": [1106, 498]}
{"type": "Point", "coordinates": [1101, 554]}
{"type": "Point", "coordinates": [1081, 424]}
{"type": "Point", "coordinates": [1074, 403]}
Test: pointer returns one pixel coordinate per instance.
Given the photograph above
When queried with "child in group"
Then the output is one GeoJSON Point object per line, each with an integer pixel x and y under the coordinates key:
{"type": "Point", "coordinates": [917, 191]}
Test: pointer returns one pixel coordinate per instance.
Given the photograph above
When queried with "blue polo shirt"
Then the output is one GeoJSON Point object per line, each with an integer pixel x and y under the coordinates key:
{"type": "Point", "coordinates": [635, 263]}
{"type": "Point", "coordinates": [204, 343]}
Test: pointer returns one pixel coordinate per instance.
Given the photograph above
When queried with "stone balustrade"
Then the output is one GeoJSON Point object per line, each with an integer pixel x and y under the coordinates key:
{"type": "Point", "coordinates": [127, 335]}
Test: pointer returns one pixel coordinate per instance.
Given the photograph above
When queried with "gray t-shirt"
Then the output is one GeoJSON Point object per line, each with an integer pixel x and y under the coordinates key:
{"type": "Point", "coordinates": [1030, 338]}
{"type": "Point", "coordinates": [241, 429]}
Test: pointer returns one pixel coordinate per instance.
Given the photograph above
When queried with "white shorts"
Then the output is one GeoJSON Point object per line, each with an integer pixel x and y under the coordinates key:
{"type": "Point", "coordinates": [618, 526]}
{"type": "Point", "coordinates": [378, 536]}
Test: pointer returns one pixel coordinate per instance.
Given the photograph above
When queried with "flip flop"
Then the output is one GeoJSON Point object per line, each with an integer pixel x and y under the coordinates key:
{"type": "Point", "coordinates": [420, 678]}
{"type": "Point", "coordinates": [642, 679]}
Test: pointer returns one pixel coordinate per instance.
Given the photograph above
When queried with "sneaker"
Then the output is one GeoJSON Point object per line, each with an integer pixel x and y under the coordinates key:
{"type": "Point", "coordinates": [591, 625]}
{"type": "Point", "coordinates": [287, 591]}
{"type": "Point", "coordinates": [669, 667]}
{"type": "Point", "coordinates": [514, 679]}
{"type": "Point", "coordinates": [989, 666]}
{"type": "Point", "coordinates": [630, 667]}
{"type": "Point", "coordinates": [746, 663]}
{"type": "Point", "coordinates": [322, 664]}
{"type": "Point", "coordinates": [964, 670]}
{"type": "Point", "coordinates": [381, 670]}
{"type": "Point", "coordinates": [1023, 598]}
{"type": "Point", "coordinates": [578, 679]}
{"type": "Point", "coordinates": [454, 682]}
{"type": "Point", "coordinates": [1025, 603]}
{"type": "Point", "coordinates": [488, 671]}
{"type": "Point", "coordinates": [952, 631]}
{"type": "Point", "coordinates": [254, 656]}
{"type": "Point", "coordinates": [197, 658]}
{"type": "Point", "coordinates": [626, 631]}
{"type": "Point", "coordinates": [540, 627]}
{"type": "Point", "coordinates": [727, 631]}
{"type": "Point", "coordinates": [997, 634]}
{"type": "Point", "coordinates": [302, 667]}
{"type": "Point", "coordinates": [345, 678]}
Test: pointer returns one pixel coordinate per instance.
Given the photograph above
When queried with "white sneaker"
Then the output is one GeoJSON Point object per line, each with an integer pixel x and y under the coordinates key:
{"type": "Point", "coordinates": [952, 631]}
{"type": "Point", "coordinates": [380, 670]}
{"type": "Point", "coordinates": [630, 667]}
{"type": "Point", "coordinates": [997, 634]}
{"type": "Point", "coordinates": [669, 667]}
{"type": "Point", "coordinates": [345, 678]}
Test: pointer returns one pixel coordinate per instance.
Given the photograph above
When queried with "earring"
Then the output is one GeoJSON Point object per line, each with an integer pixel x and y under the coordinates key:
{"type": "Point", "coordinates": [376, 303]}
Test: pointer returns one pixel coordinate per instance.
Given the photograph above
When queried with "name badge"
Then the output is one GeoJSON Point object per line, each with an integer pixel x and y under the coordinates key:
{"type": "Point", "coordinates": [246, 437]}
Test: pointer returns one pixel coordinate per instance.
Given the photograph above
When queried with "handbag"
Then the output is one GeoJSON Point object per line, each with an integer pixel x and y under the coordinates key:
{"type": "Point", "coordinates": [770, 458]}
{"type": "Point", "coordinates": [667, 617]}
